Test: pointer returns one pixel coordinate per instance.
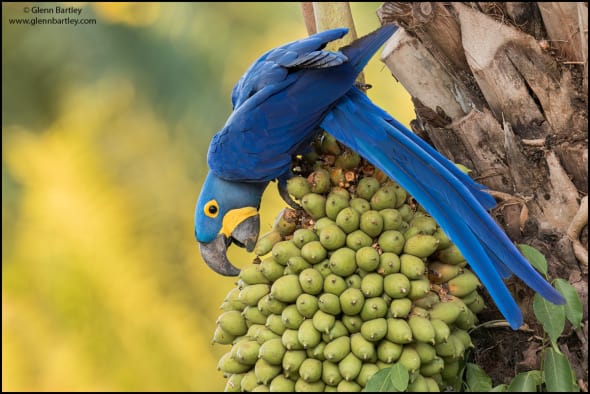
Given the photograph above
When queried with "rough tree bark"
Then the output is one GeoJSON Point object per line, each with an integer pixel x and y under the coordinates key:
{"type": "Point", "coordinates": [502, 88]}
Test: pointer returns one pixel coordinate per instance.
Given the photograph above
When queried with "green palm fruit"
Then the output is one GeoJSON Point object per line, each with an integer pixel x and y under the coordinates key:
{"type": "Point", "coordinates": [354, 281]}
{"type": "Point", "coordinates": [348, 387]}
{"type": "Point", "coordinates": [250, 295]}
{"type": "Point", "coordinates": [310, 370]}
{"type": "Point", "coordinates": [231, 302]}
{"type": "Point", "coordinates": [443, 240]}
{"type": "Point", "coordinates": [348, 159]}
{"type": "Point", "coordinates": [360, 205]}
{"type": "Point", "coordinates": [334, 284]}
{"type": "Point", "coordinates": [367, 186]}
{"type": "Point", "coordinates": [448, 312]}
{"type": "Point", "coordinates": [233, 323]}
{"type": "Point", "coordinates": [352, 323]}
{"type": "Point", "coordinates": [440, 272]}
{"type": "Point", "coordinates": [336, 350]}
{"type": "Point", "coordinates": [426, 351]}
{"type": "Point", "coordinates": [450, 255]}
{"type": "Point", "coordinates": [264, 334]}
{"type": "Point", "coordinates": [428, 300]}
{"type": "Point", "coordinates": [447, 349]}
{"type": "Point", "coordinates": [451, 370]}
{"type": "Point", "coordinates": [358, 239]}
{"type": "Point", "coordinates": [367, 371]}
{"type": "Point", "coordinates": [307, 305]}
{"type": "Point", "coordinates": [296, 264]}
{"type": "Point", "coordinates": [281, 384]}
{"type": "Point", "coordinates": [396, 285]}
{"type": "Point", "coordinates": [266, 372]}
{"type": "Point", "coordinates": [322, 222]}
{"type": "Point", "coordinates": [303, 386]}
{"type": "Point", "coordinates": [469, 298]}
{"type": "Point", "coordinates": [302, 236]}
{"type": "Point", "coordinates": [389, 263]}
{"type": "Point", "coordinates": [290, 339]}
{"type": "Point", "coordinates": [425, 223]}
{"type": "Point", "coordinates": [466, 319]}
{"type": "Point", "coordinates": [343, 262]}
{"type": "Point", "coordinates": [283, 250]}
{"type": "Point", "coordinates": [433, 367]}
{"type": "Point", "coordinates": [330, 373]}
{"type": "Point", "coordinates": [286, 288]}
{"type": "Point", "coordinates": [418, 385]}
{"type": "Point", "coordinates": [477, 305]}
{"type": "Point", "coordinates": [329, 303]}
{"type": "Point", "coordinates": [329, 145]}
{"type": "Point", "coordinates": [398, 331]}
{"type": "Point", "coordinates": [361, 348]}
{"type": "Point", "coordinates": [419, 311]}
{"type": "Point", "coordinates": [334, 204]}
{"type": "Point", "coordinates": [254, 329]}
{"type": "Point", "coordinates": [412, 231]}
{"type": "Point", "coordinates": [348, 220]}
{"type": "Point", "coordinates": [338, 330]}
{"type": "Point", "coordinates": [286, 222]}
{"type": "Point", "coordinates": [291, 317]}
{"type": "Point", "coordinates": [249, 381]}
{"type": "Point", "coordinates": [463, 284]}
{"type": "Point", "coordinates": [419, 288]}
{"type": "Point", "coordinates": [410, 359]}
{"type": "Point", "coordinates": [292, 360]}
{"type": "Point", "coordinates": [392, 220]}
{"type": "Point", "coordinates": [323, 268]}
{"type": "Point", "coordinates": [411, 266]}
{"type": "Point", "coordinates": [371, 223]}
{"type": "Point", "coordinates": [432, 385]}
{"type": "Point", "coordinates": [464, 337]}
{"type": "Point", "coordinates": [374, 330]}
{"type": "Point", "coordinates": [268, 305]}
{"type": "Point", "coordinates": [271, 269]}
{"type": "Point", "coordinates": [233, 384]}
{"type": "Point", "coordinates": [388, 352]}
{"type": "Point", "coordinates": [298, 187]}
{"type": "Point", "coordinates": [350, 367]}
{"type": "Point", "coordinates": [372, 284]}
{"type": "Point", "coordinates": [275, 323]}
{"type": "Point", "coordinates": [441, 330]}
{"type": "Point", "coordinates": [314, 252]}
{"type": "Point", "coordinates": [400, 308]}
{"type": "Point", "coordinates": [392, 241]}
{"type": "Point", "coordinates": [319, 181]}
{"type": "Point", "coordinates": [245, 352]}
{"type": "Point", "coordinates": [314, 204]}
{"type": "Point", "coordinates": [351, 301]}
{"type": "Point", "coordinates": [222, 337]}
{"type": "Point", "coordinates": [373, 308]}
{"type": "Point", "coordinates": [311, 281]}
{"type": "Point", "coordinates": [317, 351]}
{"type": "Point", "coordinates": [337, 176]}
{"type": "Point", "coordinates": [332, 238]}
{"type": "Point", "coordinates": [459, 346]}
{"type": "Point", "coordinates": [252, 275]}
{"type": "Point", "coordinates": [229, 365]}
{"type": "Point", "coordinates": [406, 211]}
{"type": "Point", "coordinates": [422, 329]}
{"type": "Point", "coordinates": [253, 315]}
{"type": "Point", "coordinates": [341, 192]}
{"type": "Point", "coordinates": [400, 194]}
{"type": "Point", "coordinates": [322, 321]}
{"type": "Point", "coordinates": [421, 245]}
{"type": "Point", "coordinates": [384, 198]}
{"type": "Point", "coordinates": [367, 258]}
{"type": "Point", "coordinates": [307, 334]}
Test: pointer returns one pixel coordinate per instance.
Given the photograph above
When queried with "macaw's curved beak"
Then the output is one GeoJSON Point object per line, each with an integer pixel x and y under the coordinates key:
{"type": "Point", "coordinates": [214, 253]}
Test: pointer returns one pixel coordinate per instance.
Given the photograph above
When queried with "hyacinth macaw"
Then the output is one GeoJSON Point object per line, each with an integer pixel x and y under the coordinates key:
{"type": "Point", "coordinates": [280, 105]}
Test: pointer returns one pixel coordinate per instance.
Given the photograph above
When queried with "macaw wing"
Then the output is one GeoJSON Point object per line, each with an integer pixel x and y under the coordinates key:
{"type": "Point", "coordinates": [359, 124]}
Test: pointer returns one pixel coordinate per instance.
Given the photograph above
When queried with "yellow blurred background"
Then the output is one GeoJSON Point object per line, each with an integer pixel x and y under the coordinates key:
{"type": "Point", "coordinates": [105, 130]}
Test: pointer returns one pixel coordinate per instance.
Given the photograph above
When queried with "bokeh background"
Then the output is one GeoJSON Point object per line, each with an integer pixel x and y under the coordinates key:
{"type": "Point", "coordinates": [105, 131]}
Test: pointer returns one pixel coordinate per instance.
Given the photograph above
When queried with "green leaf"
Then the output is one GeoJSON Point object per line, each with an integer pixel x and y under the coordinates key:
{"type": "Point", "coordinates": [477, 379]}
{"type": "Point", "coordinates": [573, 306]}
{"type": "Point", "coordinates": [557, 373]}
{"type": "Point", "coordinates": [394, 378]}
{"type": "Point", "coordinates": [526, 382]}
{"type": "Point", "coordinates": [550, 315]}
{"type": "Point", "coordinates": [534, 257]}
{"type": "Point", "coordinates": [501, 388]}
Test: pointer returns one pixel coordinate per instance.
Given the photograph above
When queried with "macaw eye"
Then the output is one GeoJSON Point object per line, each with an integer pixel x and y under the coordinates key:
{"type": "Point", "coordinates": [211, 209]}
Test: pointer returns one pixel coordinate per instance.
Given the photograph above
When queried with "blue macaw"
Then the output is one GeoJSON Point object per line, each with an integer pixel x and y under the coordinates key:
{"type": "Point", "coordinates": [280, 105]}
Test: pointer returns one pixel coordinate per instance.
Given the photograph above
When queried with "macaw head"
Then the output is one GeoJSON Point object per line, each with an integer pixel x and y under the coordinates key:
{"type": "Point", "coordinates": [227, 212]}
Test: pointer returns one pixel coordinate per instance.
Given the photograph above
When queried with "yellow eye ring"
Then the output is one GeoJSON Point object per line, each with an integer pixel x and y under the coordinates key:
{"type": "Point", "coordinates": [211, 209]}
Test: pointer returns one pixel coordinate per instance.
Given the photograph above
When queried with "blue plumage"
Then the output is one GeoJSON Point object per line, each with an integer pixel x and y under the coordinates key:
{"type": "Point", "coordinates": [279, 104]}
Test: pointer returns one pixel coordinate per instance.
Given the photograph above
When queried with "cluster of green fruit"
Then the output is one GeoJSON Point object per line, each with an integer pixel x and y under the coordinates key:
{"type": "Point", "coordinates": [356, 280]}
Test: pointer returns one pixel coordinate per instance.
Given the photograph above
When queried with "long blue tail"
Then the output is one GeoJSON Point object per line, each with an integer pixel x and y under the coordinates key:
{"type": "Point", "coordinates": [455, 201]}
{"type": "Point", "coordinates": [360, 51]}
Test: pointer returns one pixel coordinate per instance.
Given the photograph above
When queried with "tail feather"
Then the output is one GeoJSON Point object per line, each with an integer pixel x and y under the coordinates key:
{"type": "Point", "coordinates": [360, 51]}
{"type": "Point", "coordinates": [359, 124]}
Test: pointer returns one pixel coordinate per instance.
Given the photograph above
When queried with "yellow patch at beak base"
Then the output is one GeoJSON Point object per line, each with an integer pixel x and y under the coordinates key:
{"type": "Point", "coordinates": [235, 217]}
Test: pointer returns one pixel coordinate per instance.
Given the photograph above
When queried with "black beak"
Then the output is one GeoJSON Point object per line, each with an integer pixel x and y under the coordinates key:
{"type": "Point", "coordinates": [214, 253]}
